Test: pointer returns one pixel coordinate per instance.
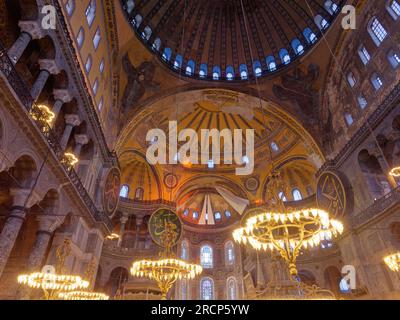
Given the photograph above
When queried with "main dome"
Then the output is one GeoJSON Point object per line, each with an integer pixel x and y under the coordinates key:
{"type": "Point", "coordinates": [229, 39]}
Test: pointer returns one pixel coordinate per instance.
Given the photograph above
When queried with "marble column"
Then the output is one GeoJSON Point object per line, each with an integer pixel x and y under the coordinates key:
{"type": "Point", "coordinates": [30, 30]}
{"type": "Point", "coordinates": [47, 67]}
{"type": "Point", "coordinates": [139, 222]}
{"type": "Point", "coordinates": [46, 226]}
{"type": "Point", "coordinates": [123, 220]}
{"type": "Point", "coordinates": [61, 96]}
{"type": "Point", "coordinates": [71, 121]}
{"type": "Point", "coordinates": [22, 200]}
{"type": "Point", "coordinates": [80, 141]}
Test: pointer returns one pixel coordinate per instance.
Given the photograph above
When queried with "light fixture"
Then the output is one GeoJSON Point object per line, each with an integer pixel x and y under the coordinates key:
{"type": "Point", "coordinates": [289, 232]}
{"type": "Point", "coordinates": [165, 228]}
{"type": "Point", "coordinates": [53, 280]}
{"type": "Point", "coordinates": [42, 113]}
{"type": "Point", "coordinates": [395, 172]}
{"type": "Point", "coordinates": [83, 295]}
{"type": "Point", "coordinates": [165, 272]}
{"type": "Point", "coordinates": [393, 261]}
{"type": "Point", "coordinates": [113, 236]}
{"type": "Point", "coordinates": [70, 160]}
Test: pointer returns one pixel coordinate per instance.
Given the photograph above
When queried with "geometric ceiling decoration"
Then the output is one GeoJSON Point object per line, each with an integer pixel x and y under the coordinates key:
{"type": "Point", "coordinates": [230, 40]}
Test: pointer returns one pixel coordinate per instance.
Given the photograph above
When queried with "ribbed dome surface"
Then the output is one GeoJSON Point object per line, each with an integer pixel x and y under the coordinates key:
{"type": "Point", "coordinates": [230, 39]}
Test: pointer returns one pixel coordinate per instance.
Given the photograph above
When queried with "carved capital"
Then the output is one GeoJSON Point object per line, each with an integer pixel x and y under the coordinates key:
{"type": "Point", "coordinates": [81, 139]}
{"type": "Point", "coordinates": [33, 28]}
{"type": "Point", "coordinates": [72, 120]}
{"type": "Point", "coordinates": [23, 197]}
{"type": "Point", "coordinates": [48, 223]}
{"type": "Point", "coordinates": [62, 95]}
{"type": "Point", "coordinates": [49, 65]}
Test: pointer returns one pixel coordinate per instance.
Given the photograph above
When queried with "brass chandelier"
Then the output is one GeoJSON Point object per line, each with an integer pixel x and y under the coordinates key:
{"type": "Point", "coordinates": [52, 283]}
{"type": "Point", "coordinates": [393, 262]}
{"type": "Point", "coordinates": [288, 232]}
{"type": "Point", "coordinates": [165, 228]}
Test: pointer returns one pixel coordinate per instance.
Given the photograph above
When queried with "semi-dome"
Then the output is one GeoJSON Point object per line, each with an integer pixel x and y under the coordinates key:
{"type": "Point", "coordinates": [230, 40]}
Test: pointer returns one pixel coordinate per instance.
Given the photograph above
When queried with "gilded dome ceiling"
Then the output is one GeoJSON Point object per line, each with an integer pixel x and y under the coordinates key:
{"type": "Point", "coordinates": [230, 40]}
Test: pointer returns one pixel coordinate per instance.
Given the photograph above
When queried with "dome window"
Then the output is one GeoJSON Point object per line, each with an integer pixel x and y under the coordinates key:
{"type": "Point", "coordinates": [284, 55]}
{"type": "Point", "coordinates": [167, 54]}
{"type": "Point", "coordinates": [297, 46]}
{"type": "Point", "coordinates": [216, 73]}
{"type": "Point", "coordinates": [257, 68]}
{"type": "Point", "coordinates": [203, 71]}
{"type": "Point", "coordinates": [230, 73]}
{"type": "Point", "coordinates": [178, 62]}
{"type": "Point", "coordinates": [243, 72]}
{"type": "Point", "coordinates": [270, 60]}
{"type": "Point", "coordinates": [310, 35]}
{"type": "Point", "coordinates": [190, 68]}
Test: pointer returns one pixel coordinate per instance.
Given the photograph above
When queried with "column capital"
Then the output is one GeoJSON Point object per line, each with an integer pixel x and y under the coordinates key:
{"type": "Point", "coordinates": [62, 95]}
{"type": "Point", "coordinates": [47, 223]}
{"type": "Point", "coordinates": [72, 119]}
{"type": "Point", "coordinates": [24, 197]}
{"type": "Point", "coordinates": [49, 65]}
{"type": "Point", "coordinates": [81, 139]}
{"type": "Point", "coordinates": [33, 28]}
{"type": "Point", "coordinates": [123, 219]}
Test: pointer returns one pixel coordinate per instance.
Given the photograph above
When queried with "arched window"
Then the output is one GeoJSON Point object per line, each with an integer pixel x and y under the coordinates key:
{"type": "Point", "coordinates": [102, 64]}
{"type": "Point", "coordinates": [206, 257]}
{"type": "Point", "coordinates": [95, 86]}
{"type": "Point", "coordinates": [310, 35]}
{"type": "Point", "coordinates": [91, 12]}
{"type": "Point", "coordinates": [186, 212]}
{"type": "Point", "coordinates": [229, 253]}
{"type": "Point", "coordinates": [297, 46]}
{"type": "Point", "coordinates": [96, 39]}
{"type": "Point", "coordinates": [243, 71]}
{"type": "Point", "coordinates": [70, 6]}
{"type": "Point", "coordinates": [157, 44]}
{"type": "Point", "coordinates": [377, 31]}
{"type": "Point", "coordinates": [124, 192]}
{"type": "Point", "coordinates": [130, 5]}
{"type": "Point", "coordinates": [394, 9]}
{"type": "Point", "coordinates": [228, 214]}
{"type": "Point", "coordinates": [274, 146]}
{"type": "Point", "coordinates": [331, 6]}
{"type": "Point", "coordinates": [146, 34]}
{"type": "Point", "coordinates": [257, 68]}
{"type": "Point", "coordinates": [349, 118]}
{"type": "Point", "coordinates": [297, 195]}
{"type": "Point", "coordinates": [80, 38]}
{"type": "Point", "coordinates": [195, 215]}
{"type": "Point", "coordinates": [351, 79]}
{"type": "Point", "coordinates": [394, 58]}
{"type": "Point", "coordinates": [190, 68]}
{"type": "Point", "coordinates": [216, 73]}
{"type": "Point", "coordinates": [185, 250]}
{"type": "Point", "coordinates": [364, 55]}
{"type": "Point", "coordinates": [100, 105]}
{"type": "Point", "coordinates": [178, 61]}
{"type": "Point", "coordinates": [230, 73]}
{"type": "Point", "coordinates": [282, 196]}
{"type": "Point", "coordinates": [137, 21]}
{"type": "Point", "coordinates": [270, 60]}
{"type": "Point", "coordinates": [203, 70]}
{"type": "Point", "coordinates": [284, 55]}
{"type": "Point", "coordinates": [231, 289]}
{"type": "Point", "coordinates": [321, 22]}
{"type": "Point", "coordinates": [376, 81]}
{"type": "Point", "coordinates": [167, 54]}
{"type": "Point", "coordinates": [217, 215]}
{"type": "Point", "coordinates": [206, 289]}
{"type": "Point", "coordinates": [184, 289]}
{"type": "Point", "coordinates": [362, 101]}
{"type": "Point", "coordinates": [139, 193]}
{"type": "Point", "coordinates": [88, 64]}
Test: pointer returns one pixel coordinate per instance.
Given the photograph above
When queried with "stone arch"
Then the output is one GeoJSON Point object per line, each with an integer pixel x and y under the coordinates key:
{"type": "Point", "coordinates": [373, 173]}
{"type": "Point", "coordinates": [118, 276]}
{"type": "Point", "coordinates": [307, 277]}
{"type": "Point", "coordinates": [332, 277]}
{"type": "Point", "coordinates": [50, 203]}
{"type": "Point", "coordinates": [24, 171]}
